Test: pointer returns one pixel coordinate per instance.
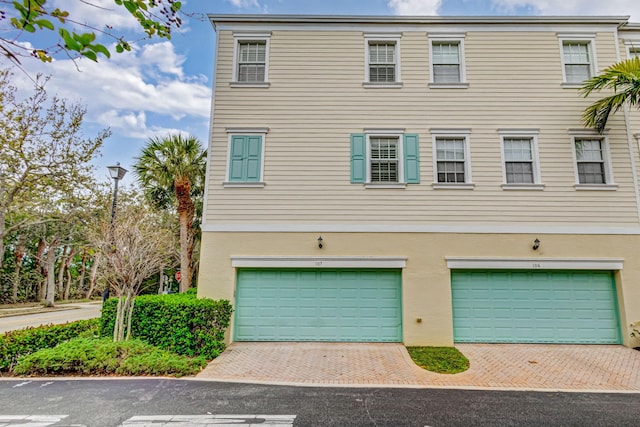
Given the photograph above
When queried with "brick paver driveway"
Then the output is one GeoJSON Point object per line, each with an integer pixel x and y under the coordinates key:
{"type": "Point", "coordinates": [502, 366]}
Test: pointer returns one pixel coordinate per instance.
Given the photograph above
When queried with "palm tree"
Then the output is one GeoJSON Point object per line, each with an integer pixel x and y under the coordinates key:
{"type": "Point", "coordinates": [624, 78]}
{"type": "Point", "coordinates": [171, 172]}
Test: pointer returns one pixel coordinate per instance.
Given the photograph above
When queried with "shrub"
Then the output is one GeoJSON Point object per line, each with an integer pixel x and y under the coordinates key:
{"type": "Point", "coordinates": [15, 344]}
{"type": "Point", "coordinates": [94, 356]}
{"type": "Point", "coordinates": [180, 323]}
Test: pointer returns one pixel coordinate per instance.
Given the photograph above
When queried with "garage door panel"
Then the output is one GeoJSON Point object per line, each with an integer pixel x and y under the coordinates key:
{"type": "Point", "coordinates": [318, 305]}
{"type": "Point", "coordinates": [535, 306]}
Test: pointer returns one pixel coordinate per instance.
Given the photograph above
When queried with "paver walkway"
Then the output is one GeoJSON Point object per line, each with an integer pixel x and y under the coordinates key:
{"type": "Point", "coordinates": [501, 366]}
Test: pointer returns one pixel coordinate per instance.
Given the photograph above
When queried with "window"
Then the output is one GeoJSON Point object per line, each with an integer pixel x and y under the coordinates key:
{"type": "Point", "coordinates": [451, 159]}
{"type": "Point", "coordinates": [520, 159]}
{"type": "Point", "coordinates": [590, 160]}
{"type": "Point", "coordinates": [578, 61]}
{"type": "Point", "coordinates": [385, 157]}
{"type": "Point", "coordinates": [251, 60]}
{"type": "Point", "coordinates": [252, 57]}
{"type": "Point", "coordinates": [246, 154]}
{"type": "Point", "coordinates": [447, 60]}
{"type": "Point", "coordinates": [382, 61]}
{"type": "Point", "coordinates": [592, 167]}
{"type": "Point", "coordinates": [634, 52]}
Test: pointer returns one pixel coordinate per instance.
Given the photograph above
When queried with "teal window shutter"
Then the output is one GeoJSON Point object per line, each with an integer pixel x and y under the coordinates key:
{"type": "Point", "coordinates": [358, 158]}
{"type": "Point", "coordinates": [254, 158]}
{"type": "Point", "coordinates": [245, 158]}
{"type": "Point", "coordinates": [411, 159]}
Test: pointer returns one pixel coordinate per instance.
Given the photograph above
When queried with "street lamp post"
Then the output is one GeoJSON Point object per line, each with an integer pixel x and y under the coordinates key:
{"type": "Point", "coordinates": [117, 173]}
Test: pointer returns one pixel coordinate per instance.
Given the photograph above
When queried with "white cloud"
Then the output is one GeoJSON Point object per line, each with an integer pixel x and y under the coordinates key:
{"type": "Point", "coordinates": [97, 13]}
{"type": "Point", "coordinates": [134, 125]}
{"type": "Point", "coordinates": [124, 91]}
{"type": "Point", "coordinates": [574, 7]}
{"type": "Point", "coordinates": [414, 7]}
{"type": "Point", "coordinates": [244, 4]}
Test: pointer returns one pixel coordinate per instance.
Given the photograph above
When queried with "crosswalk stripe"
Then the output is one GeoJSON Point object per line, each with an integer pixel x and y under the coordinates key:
{"type": "Point", "coordinates": [209, 420]}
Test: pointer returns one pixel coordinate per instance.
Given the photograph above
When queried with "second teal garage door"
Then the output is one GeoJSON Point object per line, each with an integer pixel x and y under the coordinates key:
{"type": "Point", "coordinates": [318, 305]}
{"type": "Point", "coordinates": [535, 307]}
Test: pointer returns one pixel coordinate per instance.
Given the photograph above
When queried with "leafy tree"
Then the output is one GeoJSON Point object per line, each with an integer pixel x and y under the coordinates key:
{"type": "Point", "coordinates": [171, 172]}
{"type": "Point", "coordinates": [624, 79]}
{"type": "Point", "coordinates": [74, 37]}
{"type": "Point", "coordinates": [44, 157]}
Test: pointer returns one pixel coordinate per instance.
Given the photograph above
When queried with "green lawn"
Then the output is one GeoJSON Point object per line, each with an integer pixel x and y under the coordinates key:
{"type": "Point", "coordinates": [442, 360]}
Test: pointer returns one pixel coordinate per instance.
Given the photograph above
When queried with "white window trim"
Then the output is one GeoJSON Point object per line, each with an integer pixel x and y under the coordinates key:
{"type": "Point", "coordinates": [608, 168]}
{"type": "Point", "coordinates": [392, 133]}
{"type": "Point", "coordinates": [249, 131]}
{"type": "Point", "coordinates": [531, 134]}
{"type": "Point", "coordinates": [590, 39]}
{"type": "Point", "coordinates": [458, 38]}
{"type": "Point", "coordinates": [238, 261]}
{"type": "Point", "coordinates": [631, 44]}
{"type": "Point", "coordinates": [247, 37]}
{"type": "Point", "coordinates": [456, 263]}
{"type": "Point", "coordinates": [384, 37]}
{"type": "Point", "coordinates": [453, 133]}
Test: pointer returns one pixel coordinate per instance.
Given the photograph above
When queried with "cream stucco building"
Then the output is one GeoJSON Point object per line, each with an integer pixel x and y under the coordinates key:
{"type": "Point", "coordinates": [425, 180]}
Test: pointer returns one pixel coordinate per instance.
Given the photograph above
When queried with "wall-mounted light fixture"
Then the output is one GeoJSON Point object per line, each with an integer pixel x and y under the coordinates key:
{"type": "Point", "coordinates": [320, 242]}
{"type": "Point", "coordinates": [536, 244]}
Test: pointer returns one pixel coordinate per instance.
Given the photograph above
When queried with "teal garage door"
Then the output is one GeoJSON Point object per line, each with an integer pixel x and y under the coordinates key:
{"type": "Point", "coordinates": [535, 307]}
{"type": "Point", "coordinates": [318, 305]}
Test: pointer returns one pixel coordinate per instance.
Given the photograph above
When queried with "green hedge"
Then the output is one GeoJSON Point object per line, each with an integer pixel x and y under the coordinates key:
{"type": "Point", "coordinates": [180, 323]}
{"type": "Point", "coordinates": [15, 344]}
{"type": "Point", "coordinates": [93, 356]}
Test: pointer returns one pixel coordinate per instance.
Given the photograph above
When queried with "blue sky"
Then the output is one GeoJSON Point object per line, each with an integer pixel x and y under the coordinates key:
{"type": "Point", "coordinates": [164, 87]}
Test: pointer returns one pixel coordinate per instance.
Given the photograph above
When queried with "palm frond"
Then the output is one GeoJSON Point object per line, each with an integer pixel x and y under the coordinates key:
{"type": "Point", "coordinates": [624, 79]}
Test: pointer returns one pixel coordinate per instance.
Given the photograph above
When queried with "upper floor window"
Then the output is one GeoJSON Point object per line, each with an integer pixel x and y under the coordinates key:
{"type": "Point", "coordinates": [592, 163]}
{"type": "Point", "coordinates": [578, 60]}
{"type": "Point", "coordinates": [451, 159]}
{"type": "Point", "coordinates": [251, 59]}
{"type": "Point", "coordinates": [447, 60]}
{"type": "Point", "coordinates": [382, 60]}
{"type": "Point", "coordinates": [520, 159]}
{"type": "Point", "coordinates": [385, 157]}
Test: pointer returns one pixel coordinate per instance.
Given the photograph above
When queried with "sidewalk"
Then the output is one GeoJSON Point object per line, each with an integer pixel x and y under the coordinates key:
{"type": "Point", "coordinates": [493, 366]}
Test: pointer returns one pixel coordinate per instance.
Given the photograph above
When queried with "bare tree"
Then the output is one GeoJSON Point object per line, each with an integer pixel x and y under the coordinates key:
{"type": "Point", "coordinates": [134, 249]}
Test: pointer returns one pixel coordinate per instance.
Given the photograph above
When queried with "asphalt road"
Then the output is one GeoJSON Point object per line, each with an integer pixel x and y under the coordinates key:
{"type": "Point", "coordinates": [80, 311]}
{"type": "Point", "coordinates": [126, 402]}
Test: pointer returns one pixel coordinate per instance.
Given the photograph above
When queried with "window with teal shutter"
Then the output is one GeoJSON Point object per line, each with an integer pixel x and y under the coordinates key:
{"type": "Point", "coordinates": [411, 159]}
{"type": "Point", "coordinates": [245, 158]}
{"type": "Point", "coordinates": [358, 158]}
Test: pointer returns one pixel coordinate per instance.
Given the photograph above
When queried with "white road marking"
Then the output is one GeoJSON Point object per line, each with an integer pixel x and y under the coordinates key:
{"type": "Point", "coordinates": [22, 383]}
{"type": "Point", "coordinates": [209, 420]}
{"type": "Point", "coordinates": [30, 420]}
{"type": "Point", "coordinates": [46, 384]}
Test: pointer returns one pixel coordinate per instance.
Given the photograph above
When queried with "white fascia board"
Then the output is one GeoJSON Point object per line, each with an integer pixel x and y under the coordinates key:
{"type": "Point", "coordinates": [317, 262]}
{"type": "Point", "coordinates": [409, 228]}
{"type": "Point", "coordinates": [455, 263]}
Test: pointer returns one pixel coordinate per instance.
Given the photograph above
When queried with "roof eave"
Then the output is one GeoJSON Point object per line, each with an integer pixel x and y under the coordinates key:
{"type": "Point", "coordinates": [381, 19]}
